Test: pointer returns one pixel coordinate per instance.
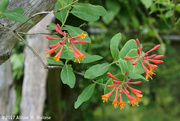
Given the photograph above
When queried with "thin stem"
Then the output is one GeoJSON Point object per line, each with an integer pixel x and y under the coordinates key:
{"type": "Point", "coordinates": [46, 12]}
{"type": "Point", "coordinates": [37, 55]}
{"type": "Point", "coordinates": [66, 6]}
{"type": "Point", "coordinates": [52, 67]}
{"type": "Point", "coordinates": [156, 33]}
{"type": "Point", "coordinates": [6, 27]}
{"type": "Point", "coordinates": [98, 82]}
{"type": "Point", "coordinates": [65, 19]}
{"type": "Point", "coordinates": [24, 33]}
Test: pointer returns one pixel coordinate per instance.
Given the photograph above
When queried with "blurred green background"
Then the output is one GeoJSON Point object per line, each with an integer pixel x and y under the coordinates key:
{"type": "Point", "coordinates": [153, 22]}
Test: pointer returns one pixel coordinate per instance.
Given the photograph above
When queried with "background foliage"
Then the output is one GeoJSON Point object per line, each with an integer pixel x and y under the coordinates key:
{"type": "Point", "coordinates": [153, 22]}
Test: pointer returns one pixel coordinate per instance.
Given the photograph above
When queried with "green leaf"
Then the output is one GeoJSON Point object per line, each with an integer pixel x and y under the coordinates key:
{"type": "Point", "coordinates": [123, 66]}
{"type": "Point", "coordinates": [169, 14]}
{"type": "Point", "coordinates": [16, 15]}
{"type": "Point", "coordinates": [3, 5]}
{"type": "Point", "coordinates": [90, 58]}
{"type": "Point", "coordinates": [136, 76]}
{"type": "Point", "coordinates": [18, 10]}
{"type": "Point", "coordinates": [131, 44]}
{"type": "Point", "coordinates": [62, 15]}
{"type": "Point", "coordinates": [97, 70]}
{"type": "Point", "coordinates": [67, 76]}
{"type": "Point", "coordinates": [94, 10]}
{"type": "Point", "coordinates": [2, 16]}
{"type": "Point", "coordinates": [113, 6]}
{"type": "Point", "coordinates": [115, 41]}
{"type": "Point", "coordinates": [50, 60]}
{"type": "Point", "coordinates": [85, 95]}
{"type": "Point", "coordinates": [64, 2]}
{"type": "Point", "coordinates": [51, 26]}
{"type": "Point", "coordinates": [84, 16]}
{"type": "Point", "coordinates": [147, 3]}
{"type": "Point", "coordinates": [109, 17]}
{"type": "Point", "coordinates": [137, 69]}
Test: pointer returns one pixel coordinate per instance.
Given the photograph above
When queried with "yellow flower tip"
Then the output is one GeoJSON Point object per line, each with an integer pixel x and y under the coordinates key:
{"type": "Point", "coordinates": [83, 35]}
{"type": "Point", "coordinates": [77, 59]}
{"type": "Point", "coordinates": [81, 57]}
{"type": "Point", "coordinates": [104, 98]}
{"type": "Point", "coordinates": [149, 75]}
{"type": "Point", "coordinates": [115, 103]}
{"type": "Point", "coordinates": [47, 54]}
{"type": "Point", "coordinates": [56, 58]}
{"type": "Point", "coordinates": [139, 95]}
{"type": "Point", "coordinates": [135, 102]}
{"type": "Point", "coordinates": [122, 105]}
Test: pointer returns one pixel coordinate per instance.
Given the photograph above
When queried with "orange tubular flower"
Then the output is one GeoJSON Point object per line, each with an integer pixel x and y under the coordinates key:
{"type": "Point", "coordinates": [121, 103]}
{"type": "Point", "coordinates": [57, 56]}
{"type": "Point", "coordinates": [136, 92]}
{"type": "Point", "coordinates": [49, 52]}
{"type": "Point", "coordinates": [134, 101]}
{"type": "Point", "coordinates": [66, 38]}
{"type": "Point", "coordinates": [81, 55]}
{"type": "Point", "coordinates": [106, 96]}
{"type": "Point", "coordinates": [82, 36]}
{"type": "Point", "coordinates": [115, 102]}
{"type": "Point", "coordinates": [122, 86]}
{"type": "Point", "coordinates": [144, 56]}
{"type": "Point", "coordinates": [148, 72]}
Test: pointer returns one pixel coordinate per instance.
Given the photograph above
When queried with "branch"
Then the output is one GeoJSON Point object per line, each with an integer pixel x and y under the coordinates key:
{"type": "Point", "coordinates": [24, 33]}
{"type": "Point", "coordinates": [30, 7]}
{"type": "Point", "coordinates": [36, 54]}
{"type": "Point", "coordinates": [53, 67]}
{"type": "Point", "coordinates": [46, 12]}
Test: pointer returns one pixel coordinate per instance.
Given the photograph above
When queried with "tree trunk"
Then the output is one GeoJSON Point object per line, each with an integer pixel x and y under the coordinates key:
{"type": "Point", "coordinates": [30, 7]}
{"type": "Point", "coordinates": [34, 84]}
{"type": "Point", "coordinates": [7, 91]}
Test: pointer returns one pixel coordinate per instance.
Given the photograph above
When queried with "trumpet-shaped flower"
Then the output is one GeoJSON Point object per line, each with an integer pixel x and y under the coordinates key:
{"type": "Point", "coordinates": [106, 96]}
{"type": "Point", "coordinates": [122, 87]}
{"type": "Point", "coordinates": [67, 38]}
{"type": "Point", "coordinates": [144, 58]}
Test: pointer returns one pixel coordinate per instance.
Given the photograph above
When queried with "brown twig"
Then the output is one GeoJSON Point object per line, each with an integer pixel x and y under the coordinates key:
{"type": "Point", "coordinates": [46, 12]}
{"type": "Point", "coordinates": [24, 33]}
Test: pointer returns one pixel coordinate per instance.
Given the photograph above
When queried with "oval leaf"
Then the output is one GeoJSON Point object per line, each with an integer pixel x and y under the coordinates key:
{"type": "Point", "coordinates": [123, 66]}
{"type": "Point", "coordinates": [61, 16]}
{"type": "Point", "coordinates": [16, 17]}
{"type": "Point", "coordinates": [90, 58]}
{"type": "Point", "coordinates": [84, 16]}
{"type": "Point", "coordinates": [131, 44]}
{"type": "Point", "coordinates": [85, 95]}
{"type": "Point", "coordinates": [136, 76]}
{"type": "Point", "coordinates": [3, 5]}
{"type": "Point", "coordinates": [94, 10]}
{"type": "Point", "coordinates": [114, 45]}
{"type": "Point", "coordinates": [67, 76]}
{"type": "Point", "coordinates": [97, 70]}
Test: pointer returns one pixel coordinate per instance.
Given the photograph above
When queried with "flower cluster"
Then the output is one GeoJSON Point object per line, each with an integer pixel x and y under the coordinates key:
{"type": "Point", "coordinates": [144, 58]}
{"type": "Point", "coordinates": [120, 87]}
{"type": "Point", "coordinates": [67, 38]}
